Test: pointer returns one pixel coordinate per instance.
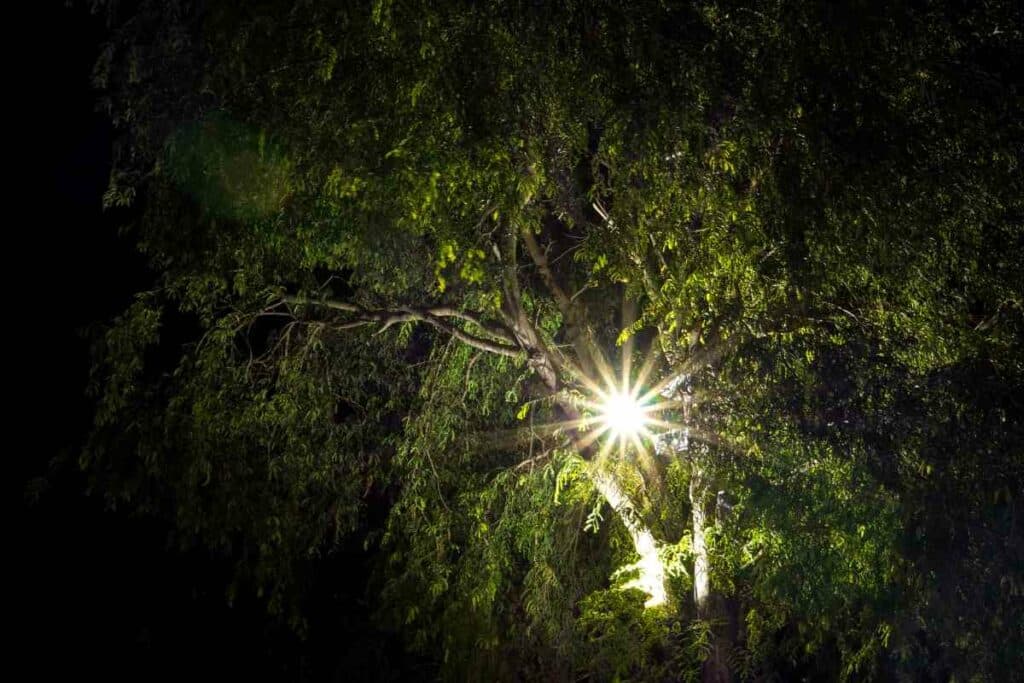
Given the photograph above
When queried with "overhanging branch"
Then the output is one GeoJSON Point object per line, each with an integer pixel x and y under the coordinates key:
{"type": "Point", "coordinates": [502, 344]}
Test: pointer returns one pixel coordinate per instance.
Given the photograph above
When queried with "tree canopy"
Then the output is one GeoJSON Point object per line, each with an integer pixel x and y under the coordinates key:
{"type": "Point", "coordinates": [408, 245]}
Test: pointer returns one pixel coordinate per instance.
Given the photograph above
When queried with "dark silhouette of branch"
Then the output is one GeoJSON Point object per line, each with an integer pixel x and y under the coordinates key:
{"type": "Point", "coordinates": [503, 343]}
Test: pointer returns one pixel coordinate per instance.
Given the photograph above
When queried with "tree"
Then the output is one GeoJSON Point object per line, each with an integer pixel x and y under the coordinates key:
{"type": "Point", "coordinates": [419, 245]}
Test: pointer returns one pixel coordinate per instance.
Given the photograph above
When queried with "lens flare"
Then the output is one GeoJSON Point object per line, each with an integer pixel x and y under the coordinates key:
{"type": "Point", "coordinates": [625, 416]}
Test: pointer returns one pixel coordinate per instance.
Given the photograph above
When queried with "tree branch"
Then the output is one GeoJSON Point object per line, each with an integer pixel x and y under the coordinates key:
{"type": "Point", "coordinates": [540, 259]}
{"type": "Point", "coordinates": [434, 316]}
{"type": "Point", "coordinates": [577, 328]}
{"type": "Point", "coordinates": [541, 358]}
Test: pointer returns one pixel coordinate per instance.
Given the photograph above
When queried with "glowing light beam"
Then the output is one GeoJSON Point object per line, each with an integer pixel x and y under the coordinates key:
{"type": "Point", "coordinates": [625, 416]}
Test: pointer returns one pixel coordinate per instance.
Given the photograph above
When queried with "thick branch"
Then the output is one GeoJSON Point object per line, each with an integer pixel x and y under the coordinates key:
{"type": "Point", "coordinates": [578, 332]}
{"type": "Point", "coordinates": [540, 259]}
{"type": "Point", "coordinates": [433, 315]}
{"type": "Point", "coordinates": [542, 360]}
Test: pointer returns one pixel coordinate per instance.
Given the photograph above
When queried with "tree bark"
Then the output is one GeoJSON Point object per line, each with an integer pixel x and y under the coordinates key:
{"type": "Point", "coordinates": [701, 579]}
{"type": "Point", "coordinates": [651, 579]}
{"type": "Point", "coordinates": [710, 606]}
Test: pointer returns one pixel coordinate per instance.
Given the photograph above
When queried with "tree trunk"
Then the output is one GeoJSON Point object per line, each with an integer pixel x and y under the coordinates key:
{"type": "Point", "coordinates": [710, 606]}
{"type": "Point", "coordinates": [652, 572]}
{"type": "Point", "coordinates": [701, 581]}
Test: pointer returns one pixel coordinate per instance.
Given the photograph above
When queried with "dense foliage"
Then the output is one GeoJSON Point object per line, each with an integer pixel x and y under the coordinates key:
{"type": "Point", "coordinates": [401, 237]}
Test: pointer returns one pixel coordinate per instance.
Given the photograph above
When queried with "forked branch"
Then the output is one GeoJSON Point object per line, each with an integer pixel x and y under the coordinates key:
{"type": "Point", "coordinates": [500, 341]}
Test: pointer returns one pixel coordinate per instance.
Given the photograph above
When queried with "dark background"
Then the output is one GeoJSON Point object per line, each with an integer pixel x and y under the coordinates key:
{"type": "Point", "coordinates": [101, 595]}
{"type": "Point", "coordinates": [98, 594]}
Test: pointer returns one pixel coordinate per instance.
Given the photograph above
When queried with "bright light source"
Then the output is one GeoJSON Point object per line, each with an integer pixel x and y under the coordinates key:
{"type": "Point", "coordinates": [624, 415]}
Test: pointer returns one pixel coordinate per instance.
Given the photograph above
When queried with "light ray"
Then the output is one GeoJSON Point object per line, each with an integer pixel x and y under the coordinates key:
{"type": "Point", "coordinates": [645, 370]}
{"type": "Point", "coordinates": [591, 437]}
